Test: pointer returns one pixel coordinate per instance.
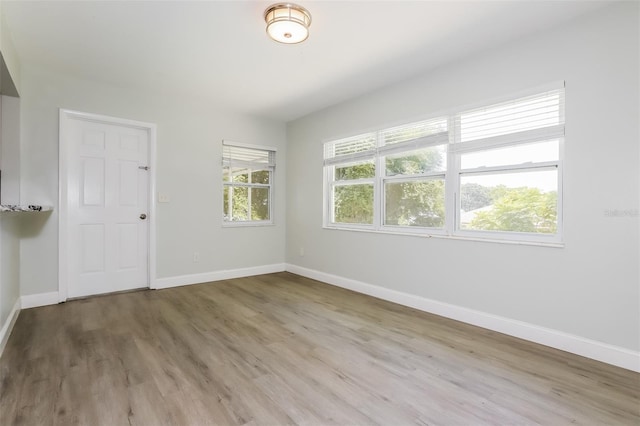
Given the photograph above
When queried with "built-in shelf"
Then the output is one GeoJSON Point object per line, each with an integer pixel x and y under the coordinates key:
{"type": "Point", "coordinates": [24, 208]}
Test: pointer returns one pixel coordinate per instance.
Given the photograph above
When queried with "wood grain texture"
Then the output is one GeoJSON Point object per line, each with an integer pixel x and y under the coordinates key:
{"type": "Point", "coordinates": [280, 349]}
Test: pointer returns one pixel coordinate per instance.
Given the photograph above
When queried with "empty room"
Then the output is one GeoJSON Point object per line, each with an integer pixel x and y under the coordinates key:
{"type": "Point", "coordinates": [320, 213]}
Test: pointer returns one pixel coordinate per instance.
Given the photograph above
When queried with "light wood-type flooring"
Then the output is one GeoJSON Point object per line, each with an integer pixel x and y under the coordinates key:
{"type": "Point", "coordinates": [280, 349]}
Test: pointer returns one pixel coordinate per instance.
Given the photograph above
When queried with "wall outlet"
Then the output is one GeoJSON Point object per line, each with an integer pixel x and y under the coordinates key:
{"type": "Point", "coordinates": [163, 198]}
{"type": "Point", "coordinates": [301, 251]}
{"type": "Point", "coordinates": [196, 257]}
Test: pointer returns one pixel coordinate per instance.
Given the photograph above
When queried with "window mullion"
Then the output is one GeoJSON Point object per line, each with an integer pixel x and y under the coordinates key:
{"type": "Point", "coordinates": [452, 183]}
{"type": "Point", "coordinates": [430, 175]}
{"type": "Point", "coordinates": [230, 193]}
{"type": "Point", "coordinates": [349, 182]}
{"type": "Point", "coordinates": [252, 185]}
{"type": "Point", "coordinates": [378, 187]}
{"type": "Point", "coordinates": [510, 168]}
{"type": "Point", "coordinates": [249, 194]}
{"type": "Point", "coordinates": [414, 178]}
{"type": "Point", "coordinates": [271, 196]}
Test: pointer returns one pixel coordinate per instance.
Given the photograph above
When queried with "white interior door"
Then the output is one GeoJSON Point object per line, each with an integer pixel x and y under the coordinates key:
{"type": "Point", "coordinates": [107, 206]}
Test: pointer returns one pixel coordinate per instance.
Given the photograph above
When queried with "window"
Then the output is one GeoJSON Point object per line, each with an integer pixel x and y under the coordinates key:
{"type": "Point", "coordinates": [406, 165]}
{"type": "Point", "coordinates": [247, 179]}
{"type": "Point", "coordinates": [509, 160]}
{"type": "Point", "coordinates": [414, 159]}
{"type": "Point", "coordinates": [352, 178]}
{"type": "Point", "coordinates": [490, 172]}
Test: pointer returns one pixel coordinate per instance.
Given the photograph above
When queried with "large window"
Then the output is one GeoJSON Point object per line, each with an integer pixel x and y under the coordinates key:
{"type": "Point", "coordinates": [247, 179]}
{"type": "Point", "coordinates": [490, 172]}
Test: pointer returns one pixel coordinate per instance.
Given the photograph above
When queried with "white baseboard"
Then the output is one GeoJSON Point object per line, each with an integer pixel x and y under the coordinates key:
{"type": "Point", "coordinates": [40, 299]}
{"type": "Point", "coordinates": [5, 331]}
{"type": "Point", "coordinates": [588, 348]}
{"type": "Point", "coordinates": [217, 276]}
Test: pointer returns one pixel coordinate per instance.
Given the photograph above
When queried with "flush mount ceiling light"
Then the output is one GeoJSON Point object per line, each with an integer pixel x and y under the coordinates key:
{"type": "Point", "coordinates": [287, 23]}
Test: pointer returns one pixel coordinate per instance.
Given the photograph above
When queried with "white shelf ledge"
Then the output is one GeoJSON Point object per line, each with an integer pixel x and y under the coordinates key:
{"type": "Point", "coordinates": [24, 208]}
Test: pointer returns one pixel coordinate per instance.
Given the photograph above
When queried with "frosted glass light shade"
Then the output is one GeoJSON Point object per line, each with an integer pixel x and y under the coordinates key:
{"type": "Point", "coordinates": [287, 23]}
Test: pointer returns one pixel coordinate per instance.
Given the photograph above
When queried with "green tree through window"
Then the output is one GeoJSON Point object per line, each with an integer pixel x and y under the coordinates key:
{"type": "Point", "coordinates": [519, 210]}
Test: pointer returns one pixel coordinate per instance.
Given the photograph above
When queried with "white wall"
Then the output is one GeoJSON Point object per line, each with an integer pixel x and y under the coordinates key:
{"type": "Point", "coordinates": [8, 51]}
{"type": "Point", "coordinates": [9, 264]}
{"type": "Point", "coordinates": [189, 135]}
{"type": "Point", "coordinates": [9, 287]}
{"type": "Point", "coordinates": [9, 223]}
{"type": "Point", "coordinates": [10, 149]}
{"type": "Point", "coordinates": [589, 288]}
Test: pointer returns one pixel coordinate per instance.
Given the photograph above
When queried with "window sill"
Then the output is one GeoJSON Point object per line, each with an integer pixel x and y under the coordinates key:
{"type": "Point", "coordinates": [246, 224]}
{"type": "Point", "coordinates": [451, 237]}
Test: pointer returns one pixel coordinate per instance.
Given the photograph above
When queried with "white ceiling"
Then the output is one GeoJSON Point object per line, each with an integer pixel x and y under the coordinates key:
{"type": "Point", "coordinates": [219, 49]}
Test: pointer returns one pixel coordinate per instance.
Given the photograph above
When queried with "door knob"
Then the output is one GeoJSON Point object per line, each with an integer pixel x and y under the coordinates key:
{"type": "Point", "coordinates": [143, 216]}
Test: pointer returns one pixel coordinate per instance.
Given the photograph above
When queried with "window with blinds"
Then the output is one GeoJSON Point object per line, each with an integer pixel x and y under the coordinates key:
{"type": "Point", "coordinates": [488, 172]}
{"type": "Point", "coordinates": [350, 164]}
{"type": "Point", "coordinates": [509, 168]}
{"type": "Point", "coordinates": [247, 179]}
{"type": "Point", "coordinates": [404, 166]}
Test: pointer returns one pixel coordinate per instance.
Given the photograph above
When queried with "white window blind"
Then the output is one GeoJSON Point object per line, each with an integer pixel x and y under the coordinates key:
{"type": "Point", "coordinates": [252, 158]}
{"type": "Point", "coordinates": [414, 136]}
{"type": "Point", "coordinates": [413, 131]}
{"type": "Point", "coordinates": [350, 149]}
{"type": "Point", "coordinates": [396, 139]}
{"type": "Point", "coordinates": [525, 116]}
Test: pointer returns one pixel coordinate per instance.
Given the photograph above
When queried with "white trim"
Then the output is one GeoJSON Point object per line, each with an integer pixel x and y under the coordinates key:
{"type": "Point", "coordinates": [40, 299]}
{"type": "Point", "coordinates": [578, 345]}
{"type": "Point", "coordinates": [510, 139]}
{"type": "Point", "coordinates": [247, 223]}
{"type": "Point", "coordinates": [151, 264]}
{"type": "Point", "coordinates": [218, 275]}
{"type": "Point", "coordinates": [100, 118]}
{"type": "Point", "coordinates": [65, 115]}
{"type": "Point", "coordinates": [62, 206]}
{"type": "Point", "coordinates": [7, 327]}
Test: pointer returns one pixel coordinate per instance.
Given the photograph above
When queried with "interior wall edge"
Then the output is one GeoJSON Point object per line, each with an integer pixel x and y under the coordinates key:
{"type": "Point", "coordinates": [599, 351]}
{"type": "Point", "coordinates": [7, 327]}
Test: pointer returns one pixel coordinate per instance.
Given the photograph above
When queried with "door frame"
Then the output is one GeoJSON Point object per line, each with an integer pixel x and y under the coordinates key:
{"type": "Point", "coordinates": [66, 116]}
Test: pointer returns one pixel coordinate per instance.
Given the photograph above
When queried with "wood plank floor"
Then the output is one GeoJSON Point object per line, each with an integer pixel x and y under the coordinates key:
{"type": "Point", "coordinates": [280, 349]}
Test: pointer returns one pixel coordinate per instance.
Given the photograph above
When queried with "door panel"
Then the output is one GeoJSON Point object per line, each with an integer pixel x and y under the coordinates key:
{"type": "Point", "coordinates": [92, 182]}
{"type": "Point", "coordinates": [92, 248]}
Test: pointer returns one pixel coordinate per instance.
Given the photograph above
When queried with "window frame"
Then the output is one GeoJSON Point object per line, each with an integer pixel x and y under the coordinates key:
{"type": "Point", "coordinates": [271, 167]}
{"type": "Point", "coordinates": [331, 183]}
{"type": "Point", "coordinates": [453, 175]}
